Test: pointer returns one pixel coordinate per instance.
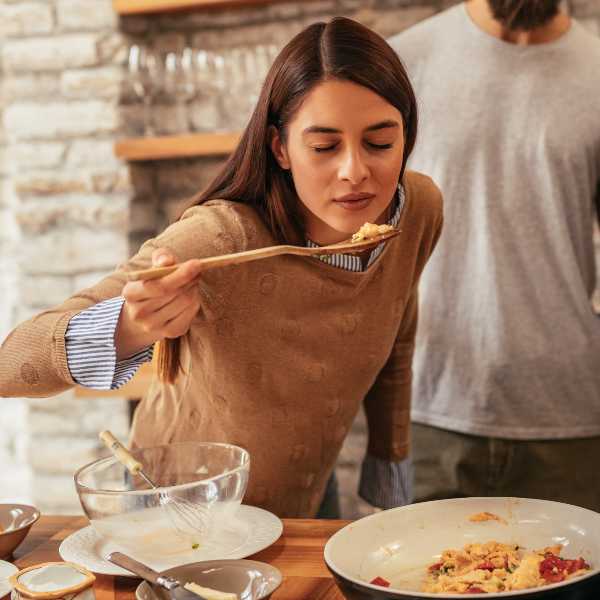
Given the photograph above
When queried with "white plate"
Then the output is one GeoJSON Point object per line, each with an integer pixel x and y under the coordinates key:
{"type": "Point", "coordinates": [252, 529]}
{"type": "Point", "coordinates": [6, 570]}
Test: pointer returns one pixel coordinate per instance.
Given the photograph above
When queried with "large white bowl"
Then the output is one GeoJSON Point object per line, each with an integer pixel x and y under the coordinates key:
{"type": "Point", "coordinates": [400, 543]}
{"type": "Point", "coordinates": [204, 479]}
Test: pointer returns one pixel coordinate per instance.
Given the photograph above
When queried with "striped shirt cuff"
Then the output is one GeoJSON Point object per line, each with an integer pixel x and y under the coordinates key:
{"type": "Point", "coordinates": [386, 484]}
{"type": "Point", "coordinates": [91, 352]}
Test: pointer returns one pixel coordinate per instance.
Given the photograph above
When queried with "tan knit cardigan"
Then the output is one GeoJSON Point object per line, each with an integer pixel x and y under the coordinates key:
{"type": "Point", "coordinates": [280, 356]}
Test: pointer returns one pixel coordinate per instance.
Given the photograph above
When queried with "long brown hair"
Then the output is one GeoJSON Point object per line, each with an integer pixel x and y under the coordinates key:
{"type": "Point", "coordinates": [340, 49]}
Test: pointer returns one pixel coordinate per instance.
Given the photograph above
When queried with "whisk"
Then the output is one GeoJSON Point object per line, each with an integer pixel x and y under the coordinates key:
{"type": "Point", "coordinates": [185, 516]}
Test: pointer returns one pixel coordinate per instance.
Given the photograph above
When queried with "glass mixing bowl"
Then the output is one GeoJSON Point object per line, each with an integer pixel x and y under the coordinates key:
{"type": "Point", "coordinates": [199, 488]}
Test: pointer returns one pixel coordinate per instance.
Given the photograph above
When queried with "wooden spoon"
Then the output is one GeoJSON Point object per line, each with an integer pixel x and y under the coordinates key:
{"type": "Point", "coordinates": [226, 260]}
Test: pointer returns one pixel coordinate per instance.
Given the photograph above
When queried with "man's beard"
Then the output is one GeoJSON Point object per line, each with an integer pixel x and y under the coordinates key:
{"type": "Point", "coordinates": [524, 15]}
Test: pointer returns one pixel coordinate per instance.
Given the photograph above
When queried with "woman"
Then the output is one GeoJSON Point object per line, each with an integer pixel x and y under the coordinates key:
{"type": "Point", "coordinates": [274, 355]}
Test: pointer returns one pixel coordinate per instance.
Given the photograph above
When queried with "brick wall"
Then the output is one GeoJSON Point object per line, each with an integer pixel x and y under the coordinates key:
{"type": "Point", "coordinates": [65, 217]}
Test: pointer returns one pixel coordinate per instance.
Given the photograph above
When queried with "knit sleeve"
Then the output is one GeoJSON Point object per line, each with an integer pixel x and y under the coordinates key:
{"type": "Point", "coordinates": [387, 405]}
{"type": "Point", "coordinates": [33, 358]}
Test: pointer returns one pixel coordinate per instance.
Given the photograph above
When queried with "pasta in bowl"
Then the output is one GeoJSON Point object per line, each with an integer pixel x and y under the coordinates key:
{"type": "Point", "coordinates": [495, 567]}
{"type": "Point", "coordinates": [388, 555]}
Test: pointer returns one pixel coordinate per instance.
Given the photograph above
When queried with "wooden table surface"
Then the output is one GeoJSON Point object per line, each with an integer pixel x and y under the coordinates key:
{"type": "Point", "coordinates": [298, 554]}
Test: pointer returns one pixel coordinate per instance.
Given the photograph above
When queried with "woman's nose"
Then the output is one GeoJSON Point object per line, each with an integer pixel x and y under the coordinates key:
{"type": "Point", "coordinates": [353, 167]}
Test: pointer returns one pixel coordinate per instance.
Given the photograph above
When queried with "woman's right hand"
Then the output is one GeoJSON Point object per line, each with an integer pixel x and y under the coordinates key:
{"type": "Point", "coordinates": [159, 308]}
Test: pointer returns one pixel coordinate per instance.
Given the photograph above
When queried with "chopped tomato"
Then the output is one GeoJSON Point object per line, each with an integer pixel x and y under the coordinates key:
{"type": "Point", "coordinates": [380, 581]}
{"type": "Point", "coordinates": [435, 567]}
{"type": "Point", "coordinates": [553, 568]}
{"type": "Point", "coordinates": [486, 566]}
{"type": "Point", "coordinates": [476, 590]}
{"type": "Point", "coordinates": [576, 564]}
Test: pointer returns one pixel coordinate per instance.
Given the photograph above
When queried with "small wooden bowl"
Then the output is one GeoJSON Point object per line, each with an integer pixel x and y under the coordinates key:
{"type": "Point", "coordinates": [15, 522]}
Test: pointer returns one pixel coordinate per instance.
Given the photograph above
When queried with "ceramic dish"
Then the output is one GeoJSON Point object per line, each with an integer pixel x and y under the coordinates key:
{"type": "Point", "coordinates": [250, 530]}
{"type": "Point", "coordinates": [249, 579]}
{"type": "Point", "coordinates": [15, 522]}
{"type": "Point", "coordinates": [53, 581]}
{"type": "Point", "coordinates": [6, 570]}
{"type": "Point", "coordinates": [399, 544]}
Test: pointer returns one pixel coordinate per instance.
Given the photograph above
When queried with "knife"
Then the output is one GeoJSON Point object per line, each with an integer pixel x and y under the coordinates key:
{"type": "Point", "coordinates": [176, 590]}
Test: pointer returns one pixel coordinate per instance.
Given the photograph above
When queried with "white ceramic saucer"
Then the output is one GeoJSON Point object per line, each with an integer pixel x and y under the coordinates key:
{"type": "Point", "coordinates": [251, 530]}
{"type": "Point", "coordinates": [6, 570]}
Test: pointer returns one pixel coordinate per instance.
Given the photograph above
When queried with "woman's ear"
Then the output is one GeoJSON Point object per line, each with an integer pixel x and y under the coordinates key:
{"type": "Point", "coordinates": [278, 148]}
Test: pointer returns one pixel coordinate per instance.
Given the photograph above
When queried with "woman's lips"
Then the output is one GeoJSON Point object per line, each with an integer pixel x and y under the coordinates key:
{"type": "Point", "coordinates": [354, 201]}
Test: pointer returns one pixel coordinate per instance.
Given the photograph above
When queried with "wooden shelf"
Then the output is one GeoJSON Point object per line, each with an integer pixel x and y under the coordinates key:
{"type": "Point", "coordinates": [138, 7]}
{"type": "Point", "coordinates": [177, 146]}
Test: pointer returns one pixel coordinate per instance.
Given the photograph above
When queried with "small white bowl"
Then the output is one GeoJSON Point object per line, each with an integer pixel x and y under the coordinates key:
{"type": "Point", "coordinates": [53, 581]}
{"type": "Point", "coordinates": [249, 579]}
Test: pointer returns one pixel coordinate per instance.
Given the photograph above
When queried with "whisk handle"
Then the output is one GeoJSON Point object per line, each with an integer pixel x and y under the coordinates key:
{"type": "Point", "coordinates": [120, 452]}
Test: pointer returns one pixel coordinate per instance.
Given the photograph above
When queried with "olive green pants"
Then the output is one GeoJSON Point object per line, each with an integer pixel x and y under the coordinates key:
{"type": "Point", "coordinates": [454, 465]}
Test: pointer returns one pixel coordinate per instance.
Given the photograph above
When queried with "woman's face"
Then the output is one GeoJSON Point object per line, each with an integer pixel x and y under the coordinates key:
{"type": "Point", "coordinates": [344, 148]}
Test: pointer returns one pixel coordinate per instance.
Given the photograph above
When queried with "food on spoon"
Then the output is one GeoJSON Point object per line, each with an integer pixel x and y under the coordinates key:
{"type": "Point", "coordinates": [486, 516]}
{"type": "Point", "coordinates": [370, 230]}
{"type": "Point", "coordinates": [495, 567]}
{"type": "Point", "coordinates": [208, 593]}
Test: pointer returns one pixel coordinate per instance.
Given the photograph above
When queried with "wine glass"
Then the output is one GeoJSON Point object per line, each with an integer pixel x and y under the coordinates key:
{"type": "Point", "coordinates": [239, 94]}
{"type": "Point", "coordinates": [179, 83]}
{"type": "Point", "coordinates": [143, 66]}
{"type": "Point", "coordinates": [211, 85]}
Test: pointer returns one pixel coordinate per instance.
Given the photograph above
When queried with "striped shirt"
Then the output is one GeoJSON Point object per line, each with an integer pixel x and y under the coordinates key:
{"type": "Point", "coordinates": [92, 360]}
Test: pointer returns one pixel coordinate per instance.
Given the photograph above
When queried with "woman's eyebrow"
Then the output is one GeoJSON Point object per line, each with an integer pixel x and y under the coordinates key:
{"type": "Point", "coordinates": [383, 125]}
{"type": "Point", "coordinates": [377, 126]}
{"type": "Point", "coordinates": [320, 129]}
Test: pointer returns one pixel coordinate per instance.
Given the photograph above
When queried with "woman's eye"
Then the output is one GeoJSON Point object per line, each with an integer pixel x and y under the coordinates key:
{"type": "Point", "coordinates": [379, 146]}
{"type": "Point", "coordinates": [324, 148]}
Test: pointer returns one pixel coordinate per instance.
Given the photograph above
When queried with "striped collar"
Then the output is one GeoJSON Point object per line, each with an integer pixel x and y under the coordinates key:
{"type": "Point", "coordinates": [354, 263]}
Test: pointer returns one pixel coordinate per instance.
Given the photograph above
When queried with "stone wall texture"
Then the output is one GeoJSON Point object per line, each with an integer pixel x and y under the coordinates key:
{"type": "Point", "coordinates": [70, 211]}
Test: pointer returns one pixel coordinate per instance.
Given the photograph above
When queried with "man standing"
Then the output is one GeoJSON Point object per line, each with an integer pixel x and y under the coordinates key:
{"type": "Point", "coordinates": [506, 395]}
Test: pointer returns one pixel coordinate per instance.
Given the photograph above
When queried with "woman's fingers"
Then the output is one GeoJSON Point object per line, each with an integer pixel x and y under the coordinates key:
{"type": "Point", "coordinates": [162, 257]}
{"type": "Point", "coordinates": [185, 274]}
{"type": "Point", "coordinates": [157, 309]}
{"type": "Point", "coordinates": [163, 307]}
{"type": "Point", "coordinates": [141, 309]}
{"type": "Point", "coordinates": [154, 317]}
{"type": "Point", "coordinates": [180, 324]}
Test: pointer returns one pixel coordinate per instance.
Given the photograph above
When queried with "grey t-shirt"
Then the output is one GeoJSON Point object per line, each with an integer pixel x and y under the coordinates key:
{"type": "Point", "coordinates": [508, 343]}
